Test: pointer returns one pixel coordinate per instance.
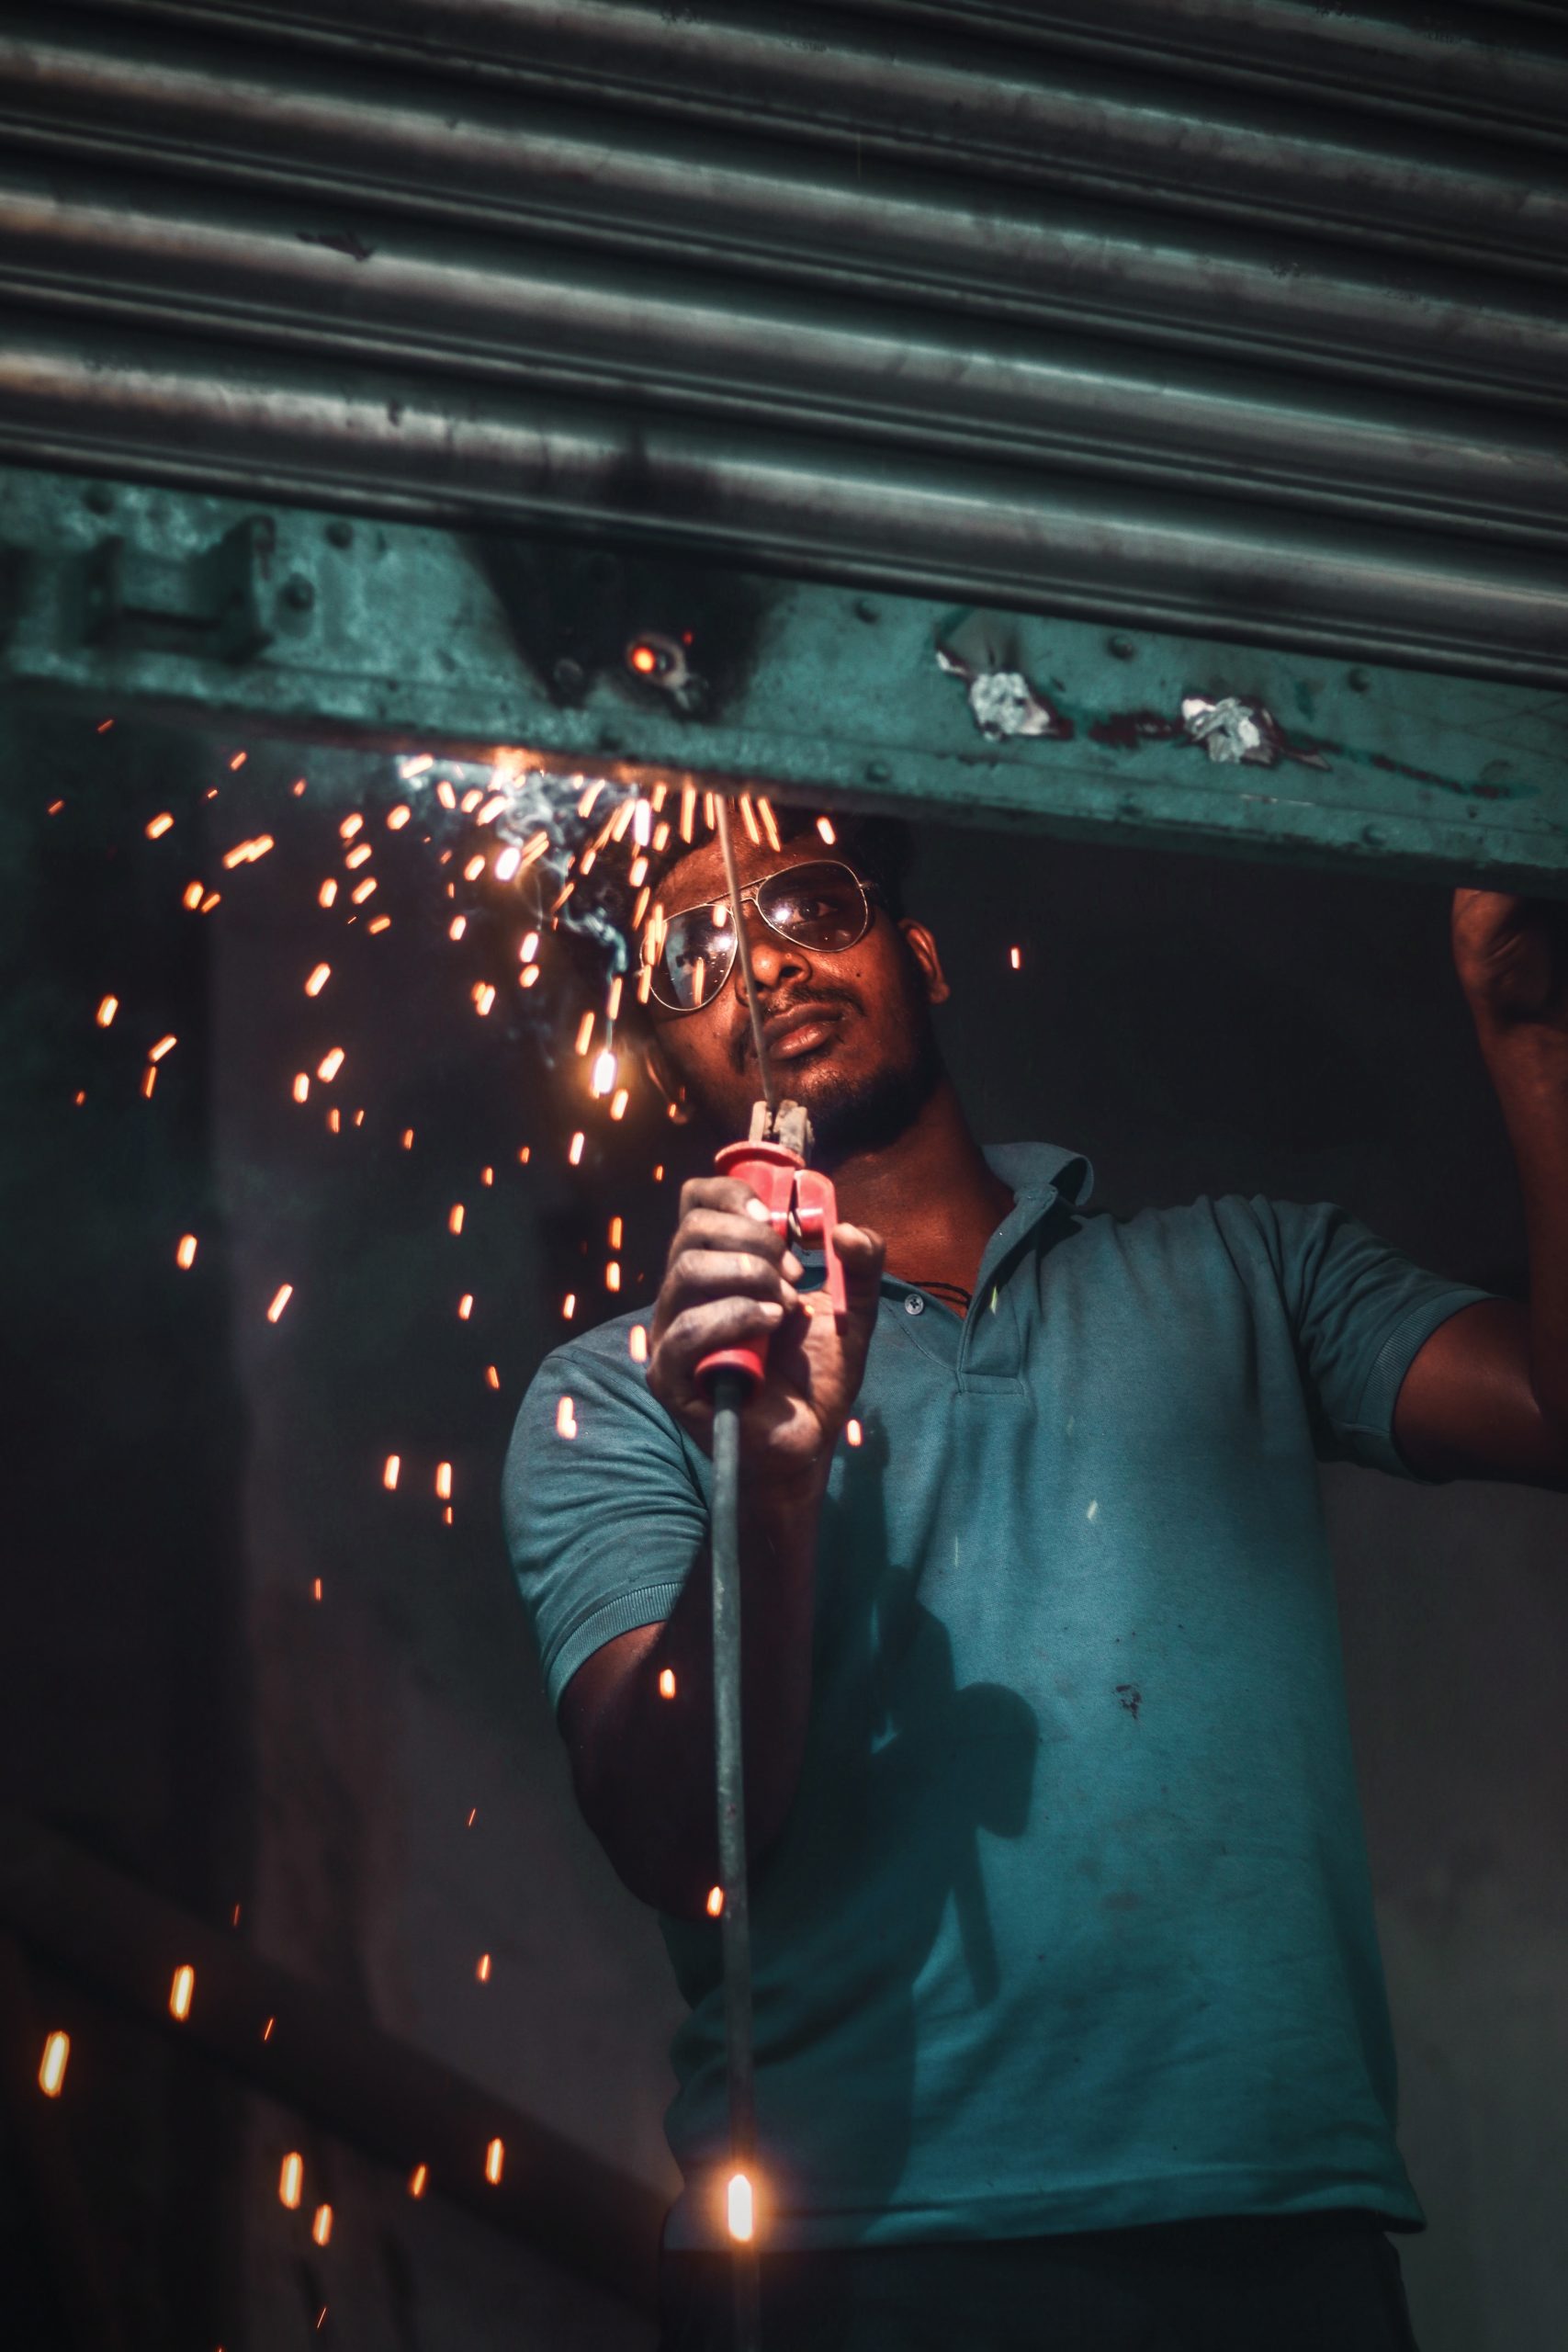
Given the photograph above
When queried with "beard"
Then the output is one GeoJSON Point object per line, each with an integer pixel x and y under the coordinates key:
{"type": "Point", "coordinates": [847, 1121]}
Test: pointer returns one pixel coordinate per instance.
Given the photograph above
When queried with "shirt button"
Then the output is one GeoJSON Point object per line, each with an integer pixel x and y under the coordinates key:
{"type": "Point", "coordinates": [914, 1304]}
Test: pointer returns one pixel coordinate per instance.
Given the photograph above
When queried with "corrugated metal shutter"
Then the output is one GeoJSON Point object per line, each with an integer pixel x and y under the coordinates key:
{"type": "Point", "coordinates": [1242, 316]}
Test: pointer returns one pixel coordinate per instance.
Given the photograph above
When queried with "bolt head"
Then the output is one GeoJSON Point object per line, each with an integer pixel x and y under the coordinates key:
{"type": "Point", "coordinates": [300, 595]}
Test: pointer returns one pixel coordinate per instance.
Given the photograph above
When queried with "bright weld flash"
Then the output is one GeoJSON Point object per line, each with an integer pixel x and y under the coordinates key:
{"type": "Point", "coordinates": [180, 1992]}
{"type": "Point", "coordinates": [51, 2067]}
{"type": "Point", "coordinates": [495, 2157]}
{"type": "Point", "coordinates": [604, 1078]}
{"type": "Point", "coordinates": [739, 2210]}
{"type": "Point", "coordinates": [507, 862]}
{"type": "Point", "coordinates": [291, 2181]}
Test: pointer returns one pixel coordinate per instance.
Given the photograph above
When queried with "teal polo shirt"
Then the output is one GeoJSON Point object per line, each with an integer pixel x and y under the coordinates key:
{"type": "Point", "coordinates": [1070, 1925]}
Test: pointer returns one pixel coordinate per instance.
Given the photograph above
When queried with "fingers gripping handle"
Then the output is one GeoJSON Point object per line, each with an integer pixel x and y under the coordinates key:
{"type": "Point", "coordinates": [795, 1197]}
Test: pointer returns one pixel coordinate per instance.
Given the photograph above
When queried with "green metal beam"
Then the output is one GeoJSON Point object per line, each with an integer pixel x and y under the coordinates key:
{"type": "Point", "coordinates": [286, 621]}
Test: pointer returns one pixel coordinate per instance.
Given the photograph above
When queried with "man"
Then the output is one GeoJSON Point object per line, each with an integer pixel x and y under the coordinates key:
{"type": "Point", "coordinates": [1070, 2022]}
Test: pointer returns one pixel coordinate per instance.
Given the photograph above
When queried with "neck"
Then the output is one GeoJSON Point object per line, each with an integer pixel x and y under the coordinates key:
{"type": "Point", "coordinates": [930, 1194]}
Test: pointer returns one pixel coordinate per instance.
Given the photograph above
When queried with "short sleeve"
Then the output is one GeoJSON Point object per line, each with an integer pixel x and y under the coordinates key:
{"type": "Point", "coordinates": [603, 1505]}
{"type": "Point", "coordinates": [1360, 1314]}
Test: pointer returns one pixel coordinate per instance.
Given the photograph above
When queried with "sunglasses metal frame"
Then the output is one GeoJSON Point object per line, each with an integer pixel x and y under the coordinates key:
{"type": "Point", "coordinates": [869, 892]}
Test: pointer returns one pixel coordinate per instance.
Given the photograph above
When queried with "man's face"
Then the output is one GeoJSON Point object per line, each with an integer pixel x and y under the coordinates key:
{"type": "Point", "coordinates": [849, 1034]}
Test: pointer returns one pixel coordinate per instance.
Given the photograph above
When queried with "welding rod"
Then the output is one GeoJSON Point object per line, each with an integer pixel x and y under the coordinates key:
{"type": "Point", "coordinates": [728, 1395]}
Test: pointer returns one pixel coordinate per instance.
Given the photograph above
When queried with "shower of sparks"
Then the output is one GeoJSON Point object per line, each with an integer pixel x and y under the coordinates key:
{"type": "Point", "coordinates": [181, 1991]}
{"type": "Point", "coordinates": [51, 2066]}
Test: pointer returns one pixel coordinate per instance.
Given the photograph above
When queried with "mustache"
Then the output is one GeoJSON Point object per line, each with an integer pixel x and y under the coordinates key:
{"type": "Point", "coordinates": [743, 1051]}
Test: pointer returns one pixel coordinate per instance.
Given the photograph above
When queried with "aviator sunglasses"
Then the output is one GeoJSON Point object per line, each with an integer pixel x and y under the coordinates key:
{"type": "Point", "coordinates": [824, 906]}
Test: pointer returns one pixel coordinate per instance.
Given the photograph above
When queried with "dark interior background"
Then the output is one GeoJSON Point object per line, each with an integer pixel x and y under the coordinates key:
{"type": "Point", "coordinates": [178, 1473]}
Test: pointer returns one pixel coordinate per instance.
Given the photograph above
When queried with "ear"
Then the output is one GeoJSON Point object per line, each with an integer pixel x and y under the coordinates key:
{"type": "Point", "coordinates": [923, 948]}
{"type": "Point", "coordinates": [663, 1078]}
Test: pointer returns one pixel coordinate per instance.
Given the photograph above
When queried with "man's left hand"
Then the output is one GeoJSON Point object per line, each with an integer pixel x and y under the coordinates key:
{"type": "Point", "coordinates": [1512, 958]}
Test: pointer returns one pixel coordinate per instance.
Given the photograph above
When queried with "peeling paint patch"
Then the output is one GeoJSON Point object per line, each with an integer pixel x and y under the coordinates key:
{"type": "Point", "coordinates": [982, 648]}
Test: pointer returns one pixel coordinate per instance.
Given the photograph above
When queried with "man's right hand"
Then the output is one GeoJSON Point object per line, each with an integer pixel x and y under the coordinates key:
{"type": "Point", "coordinates": [730, 1279]}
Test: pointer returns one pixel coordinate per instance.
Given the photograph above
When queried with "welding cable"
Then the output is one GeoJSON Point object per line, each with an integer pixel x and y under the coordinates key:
{"type": "Point", "coordinates": [729, 1390]}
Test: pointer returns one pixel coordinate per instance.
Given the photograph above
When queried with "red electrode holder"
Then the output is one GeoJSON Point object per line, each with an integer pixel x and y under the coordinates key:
{"type": "Point", "coordinates": [800, 1204]}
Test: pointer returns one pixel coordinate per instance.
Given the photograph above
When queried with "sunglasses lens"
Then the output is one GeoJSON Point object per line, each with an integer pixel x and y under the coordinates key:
{"type": "Point", "coordinates": [821, 906]}
{"type": "Point", "coordinates": [694, 959]}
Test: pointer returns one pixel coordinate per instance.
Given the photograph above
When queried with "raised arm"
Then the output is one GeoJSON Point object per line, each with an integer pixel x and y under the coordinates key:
{"type": "Point", "coordinates": [1487, 1396]}
{"type": "Point", "coordinates": [642, 1762]}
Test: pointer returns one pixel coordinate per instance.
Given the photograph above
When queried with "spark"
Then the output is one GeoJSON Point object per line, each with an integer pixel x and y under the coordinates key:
{"type": "Point", "coordinates": [585, 806]}
{"type": "Point", "coordinates": [238, 760]}
{"type": "Point", "coordinates": [454, 1217]}
{"type": "Point", "coordinates": [716, 1901]}
{"type": "Point", "coordinates": [709, 820]}
{"type": "Point", "coordinates": [525, 1154]}
{"type": "Point", "coordinates": [585, 1033]}
{"type": "Point", "coordinates": [495, 2156]}
{"type": "Point", "coordinates": [357, 856]}
{"type": "Point", "coordinates": [604, 1073]}
{"type": "Point", "coordinates": [636, 1343]}
{"type": "Point", "coordinates": [281, 1297]}
{"type": "Point", "coordinates": [417, 2179]}
{"type": "Point", "coordinates": [1093, 1511]}
{"type": "Point", "coordinates": [507, 862]}
{"type": "Point", "coordinates": [108, 1006]}
{"type": "Point", "coordinates": [318, 979]}
{"type": "Point", "coordinates": [613, 1275]}
{"type": "Point", "coordinates": [492, 1377]}
{"type": "Point", "coordinates": [185, 1256]}
{"type": "Point", "coordinates": [210, 900]}
{"type": "Point", "coordinates": [247, 852]}
{"type": "Point", "coordinates": [739, 2208]}
{"type": "Point", "coordinates": [330, 1064]}
{"type": "Point", "coordinates": [638, 871]}
{"type": "Point", "coordinates": [149, 1080]}
{"type": "Point", "coordinates": [445, 794]}
{"type": "Point", "coordinates": [487, 1176]}
{"type": "Point", "coordinates": [51, 2066]}
{"type": "Point", "coordinates": [529, 947]}
{"type": "Point", "coordinates": [164, 1046]}
{"type": "Point", "coordinates": [350, 826]}
{"type": "Point", "coordinates": [474, 868]}
{"type": "Point", "coordinates": [292, 2180]}
{"type": "Point", "coordinates": [660, 835]}
{"type": "Point", "coordinates": [398, 817]}
{"type": "Point", "coordinates": [301, 1085]}
{"type": "Point", "coordinates": [618, 1102]}
{"type": "Point", "coordinates": [444, 1482]}
{"type": "Point", "coordinates": [321, 2224]}
{"type": "Point", "coordinates": [574, 1153]}
{"type": "Point", "coordinates": [473, 1816]}
{"type": "Point", "coordinates": [482, 1971]}
{"type": "Point", "coordinates": [622, 819]}
{"type": "Point", "coordinates": [55, 807]}
{"type": "Point", "coordinates": [191, 896]}
{"type": "Point", "coordinates": [159, 826]}
{"type": "Point", "coordinates": [667, 1683]}
{"type": "Point", "coordinates": [180, 1992]}
{"type": "Point", "coordinates": [483, 995]}
{"type": "Point", "coordinates": [456, 927]}
{"type": "Point", "coordinates": [327, 892]}
{"type": "Point", "coordinates": [266, 2030]}
{"type": "Point", "coordinates": [416, 765]}
{"type": "Point", "coordinates": [642, 823]}
{"type": "Point", "coordinates": [688, 809]}
{"type": "Point", "coordinates": [391, 1472]}
{"type": "Point", "coordinates": [465, 1307]}
{"type": "Point", "coordinates": [643, 659]}
{"type": "Point", "coordinates": [528, 976]}
{"type": "Point", "coordinates": [408, 1138]}
{"type": "Point", "coordinates": [1015, 957]}
{"type": "Point", "coordinates": [853, 1432]}
{"type": "Point", "coordinates": [104, 725]}
{"type": "Point", "coordinates": [825, 828]}
{"type": "Point", "coordinates": [641, 908]}
{"type": "Point", "coordinates": [613, 1002]}
{"type": "Point", "coordinates": [363, 890]}
{"type": "Point", "coordinates": [768, 825]}
{"type": "Point", "coordinates": [569, 1306]}
{"type": "Point", "coordinates": [616, 1229]}
{"type": "Point", "coordinates": [297, 787]}
{"type": "Point", "coordinates": [750, 814]}
{"type": "Point", "coordinates": [383, 923]}
{"type": "Point", "coordinates": [491, 809]}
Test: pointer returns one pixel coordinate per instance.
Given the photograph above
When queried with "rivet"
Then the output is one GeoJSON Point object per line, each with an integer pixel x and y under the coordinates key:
{"type": "Point", "coordinates": [1373, 835]}
{"type": "Point", "coordinates": [300, 594]}
{"type": "Point", "coordinates": [1122, 649]}
{"type": "Point", "coordinates": [867, 609]}
{"type": "Point", "coordinates": [99, 498]}
{"type": "Point", "coordinates": [1358, 682]}
{"type": "Point", "coordinates": [878, 772]}
{"type": "Point", "coordinates": [341, 534]}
